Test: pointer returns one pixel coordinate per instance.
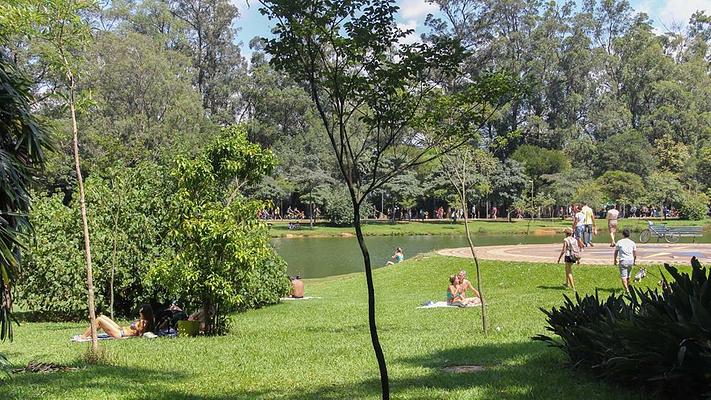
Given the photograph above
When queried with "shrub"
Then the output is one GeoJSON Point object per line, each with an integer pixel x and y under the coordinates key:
{"type": "Point", "coordinates": [657, 339]}
{"type": "Point", "coordinates": [694, 206]}
{"type": "Point", "coordinates": [338, 207]}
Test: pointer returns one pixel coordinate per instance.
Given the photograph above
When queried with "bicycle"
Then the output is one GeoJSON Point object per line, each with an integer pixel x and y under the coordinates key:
{"type": "Point", "coordinates": [660, 231]}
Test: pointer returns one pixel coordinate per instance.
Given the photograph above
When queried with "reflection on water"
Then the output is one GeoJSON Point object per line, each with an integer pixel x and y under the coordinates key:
{"type": "Point", "coordinates": [319, 257]}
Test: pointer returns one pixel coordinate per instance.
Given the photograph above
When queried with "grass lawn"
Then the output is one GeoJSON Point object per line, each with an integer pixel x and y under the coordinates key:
{"type": "Point", "coordinates": [320, 349]}
{"type": "Point", "coordinates": [445, 227]}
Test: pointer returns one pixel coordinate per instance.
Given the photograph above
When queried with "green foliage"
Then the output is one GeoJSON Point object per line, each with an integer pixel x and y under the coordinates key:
{"type": "Point", "coordinates": [694, 206]}
{"type": "Point", "coordinates": [628, 151]}
{"type": "Point", "coordinates": [653, 339]}
{"type": "Point", "coordinates": [621, 187]}
{"type": "Point", "coordinates": [539, 161]}
{"type": "Point", "coordinates": [220, 258]}
{"type": "Point", "coordinates": [590, 194]}
{"type": "Point", "coordinates": [663, 188]}
{"type": "Point", "coordinates": [128, 220]}
{"type": "Point", "coordinates": [338, 208]}
{"type": "Point", "coordinates": [23, 142]}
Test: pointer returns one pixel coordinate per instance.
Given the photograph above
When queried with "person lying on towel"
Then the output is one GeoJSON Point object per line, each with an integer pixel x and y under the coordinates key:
{"type": "Point", "coordinates": [143, 324]}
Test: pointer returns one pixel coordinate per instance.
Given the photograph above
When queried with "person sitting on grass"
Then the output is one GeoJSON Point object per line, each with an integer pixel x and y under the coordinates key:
{"type": "Point", "coordinates": [454, 297]}
{"type": "Point", "coordinates": [397, 257]}
{"type": "Point", "coordinates": [143, 324]}
{"type": "Point", "coordinates": [465, 285]}
{"type": "Point", "coordinates": [297, 287]}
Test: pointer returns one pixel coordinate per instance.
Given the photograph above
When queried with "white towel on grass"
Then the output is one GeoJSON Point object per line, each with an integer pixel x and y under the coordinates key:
{"type": "Point", "coordinates": [443, 304]}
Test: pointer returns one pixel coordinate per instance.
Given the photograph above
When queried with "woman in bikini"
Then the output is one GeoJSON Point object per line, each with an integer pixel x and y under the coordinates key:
{"type": "Point", "coordinates": [454, 297]}
{"type": "Point", "coordinates": [143, 324]}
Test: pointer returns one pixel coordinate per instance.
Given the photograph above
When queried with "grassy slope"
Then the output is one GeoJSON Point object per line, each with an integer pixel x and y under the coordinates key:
{"type": "Point", "coordinates": [279, 229]}
{"type": "Point", "coordinates": [320, 349]}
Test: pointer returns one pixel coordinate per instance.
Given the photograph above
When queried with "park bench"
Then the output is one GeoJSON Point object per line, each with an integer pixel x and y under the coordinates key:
{"type": "Point", "coordinates": [670, 234]}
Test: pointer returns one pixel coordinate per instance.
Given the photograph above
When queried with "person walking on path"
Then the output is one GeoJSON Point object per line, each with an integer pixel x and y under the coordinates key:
{"type": "Point", "coordinates": [626, 253]}
{"type": "Point", "coordinates": [578, 225]}
{"type": "Point", "coordinates": [571, 251]}
{"type": "Point", "coordinates": [612, 215]}
{"type": "Point", "coordinates": [589, 225]}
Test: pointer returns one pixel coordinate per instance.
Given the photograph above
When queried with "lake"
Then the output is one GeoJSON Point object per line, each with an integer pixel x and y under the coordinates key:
{"type": "Point", "coordinates": [321, 257]}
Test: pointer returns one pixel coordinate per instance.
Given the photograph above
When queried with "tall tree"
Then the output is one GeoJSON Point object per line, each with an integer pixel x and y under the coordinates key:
{"type": "Point", "coordinates": [214, 51]}
{"type": "Point", "coordinates": [371, 92]}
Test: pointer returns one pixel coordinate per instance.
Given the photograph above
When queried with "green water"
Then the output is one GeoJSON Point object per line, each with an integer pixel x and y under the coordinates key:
{"type": "Point", "coordinates": [320, 257]}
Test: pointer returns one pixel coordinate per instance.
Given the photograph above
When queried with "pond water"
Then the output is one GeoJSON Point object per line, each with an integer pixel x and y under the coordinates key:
{"type": "Point", "coordinates": [320, 257]}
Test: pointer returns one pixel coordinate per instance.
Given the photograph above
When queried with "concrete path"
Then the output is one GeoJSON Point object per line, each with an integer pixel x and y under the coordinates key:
{"type": "Point", "coordinates": [602, 253]}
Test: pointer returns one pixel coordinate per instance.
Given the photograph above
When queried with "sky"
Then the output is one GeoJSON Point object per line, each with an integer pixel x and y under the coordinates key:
{"type": "Point", "coordinates": [664, 13]}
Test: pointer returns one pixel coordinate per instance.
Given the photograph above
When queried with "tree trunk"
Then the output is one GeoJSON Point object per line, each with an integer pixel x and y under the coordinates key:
{"type": "Point", "coordinates": [371, 304]}
{"type": "Point", "coordinates": [463, 195]}
{"type": "Point", "coordinates": [85, 222]}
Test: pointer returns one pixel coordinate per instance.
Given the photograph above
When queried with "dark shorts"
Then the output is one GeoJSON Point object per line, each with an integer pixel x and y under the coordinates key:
{"type": "Point", "coordinates": [570, 259]}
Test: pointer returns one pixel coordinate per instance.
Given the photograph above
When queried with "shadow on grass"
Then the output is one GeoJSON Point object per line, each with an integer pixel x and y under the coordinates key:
{"type": "Point", "coordinates": [557, 287]}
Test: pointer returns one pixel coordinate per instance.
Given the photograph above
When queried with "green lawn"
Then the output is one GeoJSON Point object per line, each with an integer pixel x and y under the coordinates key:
{"type": "Point", "coordinates": [320, 349]}
{"type": "Point", "coordinates": [445, 227]}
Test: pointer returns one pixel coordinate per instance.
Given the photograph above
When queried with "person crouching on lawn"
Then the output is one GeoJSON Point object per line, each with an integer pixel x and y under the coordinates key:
{"type": "Point", "coordinates": [143, 324]}
{"type": "Point", "coordinates": [297, 287]}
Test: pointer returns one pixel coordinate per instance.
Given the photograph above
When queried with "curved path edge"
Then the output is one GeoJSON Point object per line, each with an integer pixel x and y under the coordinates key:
{"type": "Point", "coordinates": [602, 254]}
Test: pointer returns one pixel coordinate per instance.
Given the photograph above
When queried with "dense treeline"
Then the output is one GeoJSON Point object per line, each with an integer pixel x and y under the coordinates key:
{"type": "Point", "coordinates": [609, 110]}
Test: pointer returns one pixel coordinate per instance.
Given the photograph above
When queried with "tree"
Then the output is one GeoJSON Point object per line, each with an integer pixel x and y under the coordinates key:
{"type": "Point", "coordinates": [59, 33]}
{"type": "Point", "coordinates": [539, 161]}
{"type": "Point", "coordinates": [628, 151]}
{"type": "Point", "coordinates": [621, 187]}
{"type": "Point", "coordinates": [214, 51]}
{"type": "Point", "coordinates": [23, 142]}
{"type": "Point", "coordinates": [663, 189]}
{"type": "Point", "coordinates": [371, 92]}
{"type": "Point", "coordinates": [508, 181]}
{"type": "Point", "coordinates": [466, 167]}
{"type": "Point", "coordinates": [221, 258]}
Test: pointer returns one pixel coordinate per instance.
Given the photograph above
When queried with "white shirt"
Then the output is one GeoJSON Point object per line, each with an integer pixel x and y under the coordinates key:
{"type": "Point", "coordinates": [612, 214]}
{"type": "Point", "coordinates": [580, 218]}
{"type": "Point", "coordinates": [625, 250]}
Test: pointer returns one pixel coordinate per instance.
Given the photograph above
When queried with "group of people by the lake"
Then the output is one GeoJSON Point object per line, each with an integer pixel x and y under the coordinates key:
{"type": "Point", "coordinates": [580, 236]}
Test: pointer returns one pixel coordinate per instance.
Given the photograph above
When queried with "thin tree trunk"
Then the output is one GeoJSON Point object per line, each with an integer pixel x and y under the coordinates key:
{"type": "Point", "coordinates": [371, 305]}
{"type": "Point", "coordinates": [478, 272]}
{"type": "Point", "coordinates": [85, 222]}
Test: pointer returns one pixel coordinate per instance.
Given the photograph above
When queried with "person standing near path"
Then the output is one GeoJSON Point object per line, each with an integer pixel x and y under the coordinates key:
{"type": "Point", "coordinates": [612, 215]}
{"type": "Point", "coordinates": [589, 225]}
{"type": "Point", "coordinates": [572, 255]}
{"type": "Point", "coordinates": [626, 253]}
{"type": "Point", "coordinates": [578, 225]}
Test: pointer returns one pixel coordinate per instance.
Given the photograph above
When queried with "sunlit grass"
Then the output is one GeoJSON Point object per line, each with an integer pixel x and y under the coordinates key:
{"type": "Point", "coordinates": [320, 349]}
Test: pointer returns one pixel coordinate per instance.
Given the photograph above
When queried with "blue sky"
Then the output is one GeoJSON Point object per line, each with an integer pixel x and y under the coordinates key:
{"type": "Point", "coordinates": [665, 14]}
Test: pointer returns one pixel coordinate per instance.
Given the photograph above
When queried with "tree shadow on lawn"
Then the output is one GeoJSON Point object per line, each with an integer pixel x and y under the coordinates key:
{"type": "Point", "coordinates": [512, 371]}
{"type": "Point", "coordinates": [105, 379]}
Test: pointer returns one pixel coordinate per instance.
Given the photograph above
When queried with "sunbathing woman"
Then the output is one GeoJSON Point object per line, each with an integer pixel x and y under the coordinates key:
{"type": "Point", "coordinates": [454, 297]}
{"type": "Point", "coordinates": [143, 324]}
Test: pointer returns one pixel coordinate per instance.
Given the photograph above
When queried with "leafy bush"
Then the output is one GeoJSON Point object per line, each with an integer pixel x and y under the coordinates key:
{"type": "Point", "coordinates": [660, 340]}
{"type": "Point", "coordinates": [220, 258]}
{"type": "Point", "coordinates": [338, 207]}
{"type": "Point", "coordinates": [694, 206]}
{"type": "Point", "coordinates": [127, 222]}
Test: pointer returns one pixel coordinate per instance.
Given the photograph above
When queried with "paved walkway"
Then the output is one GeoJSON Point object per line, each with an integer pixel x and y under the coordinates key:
{"type": "Point", "coordinates": [651, 253]}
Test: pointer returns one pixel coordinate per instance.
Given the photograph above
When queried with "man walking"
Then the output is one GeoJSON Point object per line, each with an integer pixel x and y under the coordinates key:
{"type": "Point", "coordinates": [612, 215]}
{"type": "Point", "coordinates": [578, 225]}
{"type": "Point", "coordinates": [589, 224]}
{"type": "Point", "coordinates": [626, 253]}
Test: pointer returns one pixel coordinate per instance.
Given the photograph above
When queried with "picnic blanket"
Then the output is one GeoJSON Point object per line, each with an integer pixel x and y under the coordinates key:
{"type": "Point", "coordinates": [443, 304]}
{"type": "Point", "coordinates": [302, 298]}
{"type": "Point", "coordinates": [106, 336]}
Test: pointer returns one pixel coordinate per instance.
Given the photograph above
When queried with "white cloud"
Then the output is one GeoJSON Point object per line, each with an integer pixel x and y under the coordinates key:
{"type": "Point", "coordinates": [415, 9]}
{"type": "Point", "coordinates": [412, 37]}
{"type": "Point", "coordinates": [678, 12]}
